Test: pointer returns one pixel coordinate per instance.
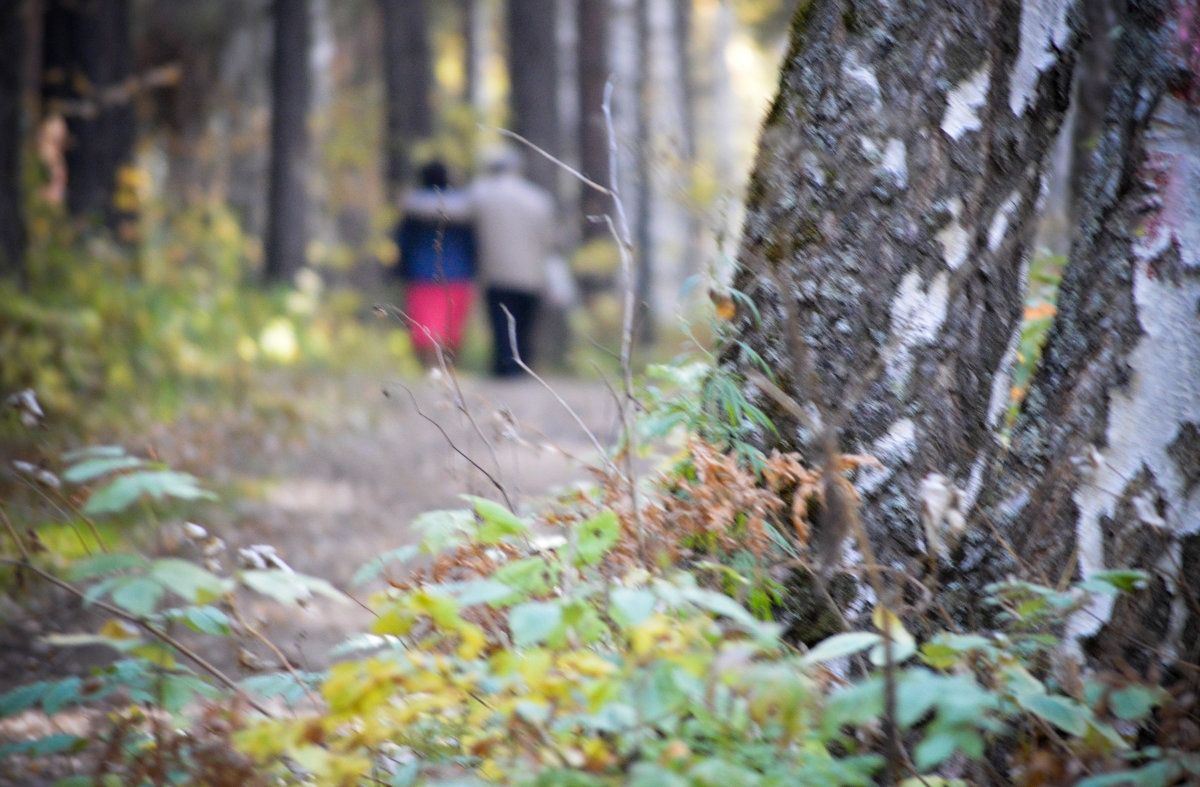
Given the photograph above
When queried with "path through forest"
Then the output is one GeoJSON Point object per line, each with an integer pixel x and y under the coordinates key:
{"type": "Point", "coordinates": [364, 456]}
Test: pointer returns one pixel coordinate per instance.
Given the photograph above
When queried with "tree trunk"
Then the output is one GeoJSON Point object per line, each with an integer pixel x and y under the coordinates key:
{"type": "Point", "coordinates": [13, 31]}
{"type": "Point", "coordinates": [88, 68]}
{"type": "Point", "coordinates": [593, 74]}
{"type": "Point", "coordinates": [408, 79]}
{"type": "Point", "coordinates": [287, 219]}
{"type": "Point", "coordinates": [532, 72]}
{"type": "Point", "coordinates": [889, 216]}
{"type": "Point", "coordinates": [886, 243]}
{"type": "Point", "coordinates": [693, 226]}
{"type": "Point", "coordinates": [1105, 460]}
{"type": "Point", "coordinates": [644, 263]}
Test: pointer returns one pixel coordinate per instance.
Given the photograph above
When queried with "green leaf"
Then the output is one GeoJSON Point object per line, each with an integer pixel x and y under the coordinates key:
{"type": "Point", "coordinates": [322, 587]}
{"type": "Point", "coordinates": [1115, 581]}
{"type": "Point", "coordinates": [94, 468]}
{"type": "Point", "coordinates": [858, 703]}
{"type": "Point", "coordinates": [498, 521]}
{"type": "Point", "coordinates": [630, 606]}
{"type": "Point", "coordinates": [122, 491]}
{"type": "Point", "coordinates": [103, 564]}
{"type": "Point", "coordinates": [840, 645]}
{"type": "Point", "coordinates": [406, 774]}
{"type": "Point", "coordinates": [23, 697]}
{"type": "Point", "coordinates": [138, 595]}
{"type": "Point", "coordinates": [648, 774]}
{"type": "Point", "coordinates": [531, 576]}
{"type": "Point", "coordinates": [63, 693]}
{"type": "Point", "coordinates": [375, 566]}
{"type": "Point", "coordinates": [1116, 779]}
{"type": "Point", "coordinates": [595, 536]}
{"type": "Point", "coordinates": [1134, 702]}
{"type": "Point", "coordinates": [176, 691]}
{"type": "Point", "coordinates": [533, 621]}
{"type": "Point", "coordinates": [442, 530]}
{"type": "Point", "coordinates": [276, 583]}
{"type": "Point", "coordinates": [916, 694]}
{"type": "Point", "coordinates": [76, 781]}
{"type": "Point", "coordinates": [205, 620]}
{"type": "Point", "coordinates": [482, 591]}
{"type": "Point", "coordinates": [713, 772]}
{"type": "Point", "coordinates": [279, 684]}
{"type": "Point", "coordinates": [935, 749]}
{"type": "Point", "coordinates": [1064, 713]}
{"type": "Point", "coordinates": [718, 603]}
{"type": "Point", "coordinates": [93, 452]}
{"type": "Point", "coordinates": [188, 580]}
{"type": "Point", "coordinates": [42, 746]}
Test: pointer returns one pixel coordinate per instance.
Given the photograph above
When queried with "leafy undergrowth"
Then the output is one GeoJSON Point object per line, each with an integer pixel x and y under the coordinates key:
{"type": "Point", "coordinates": [597, 642]}
{"type": "Point", "coordinates": [111, 335]}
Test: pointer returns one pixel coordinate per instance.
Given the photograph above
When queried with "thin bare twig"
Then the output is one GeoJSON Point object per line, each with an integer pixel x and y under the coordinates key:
{"type": "Point", "coordinates": [283, 659]}
{"type": "Point", "coordinates": [150, 629]}
{"type": "Point", "coordinates": [620, 232]}
{"type": "Point", "coordinates": [584, 179]}
{"type": "Point", "coordinates": [16, 537]}
{"type": "Point", "coordinates": [512, 339]}
{"type": "Point", "coordinates": [499, 487]}
{"type": "Point", "coordinates": [460, 401]}
{"type": "Point", "coordinates": [67, 518]}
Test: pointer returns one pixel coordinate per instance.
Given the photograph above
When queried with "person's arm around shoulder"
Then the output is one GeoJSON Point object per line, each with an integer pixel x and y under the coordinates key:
{"type": "Point", "coordinates": [452, 204]}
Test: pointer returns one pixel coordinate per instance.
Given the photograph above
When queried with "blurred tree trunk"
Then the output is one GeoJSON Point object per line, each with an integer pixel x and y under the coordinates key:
{"type": "Point", "coordinates": [88, 78]}
{"type": "Point", "coordinates": [287, 213]}
{"type": "Point", "coordinates": [643, 275]}
{"type": "Point", "coordinates": [472, 33]}
{"type": "Point", "coordinates": [693, 227]}
{"type": "Point", "coordinates": [593, 73]}
{"type": "Point", "coordinates": [13, 37]}
{"type": "Point", "coordinates": [886, 245]}
{"type": "Point", "coordinates": [408, 79]}
{"type": "Point", "coordinates": [532, 72]}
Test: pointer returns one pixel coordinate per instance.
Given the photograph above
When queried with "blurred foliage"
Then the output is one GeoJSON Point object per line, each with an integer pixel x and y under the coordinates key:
{"type": "Point", "coordinates": [546, 650]}
{"type": "Point", "coordinates": [1045, 273]}
{"type": "Point", "coordinates": [106, 331]}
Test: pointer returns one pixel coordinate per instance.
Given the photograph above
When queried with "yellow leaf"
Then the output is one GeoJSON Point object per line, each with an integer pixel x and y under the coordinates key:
{"type": "Point", "coordinates": [115, 628]}
{"type": "Point", "coordinates": [886, 621]}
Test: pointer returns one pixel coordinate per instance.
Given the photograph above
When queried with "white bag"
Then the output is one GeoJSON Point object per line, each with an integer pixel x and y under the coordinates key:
{"type": "Point", "coordinates": [561, 290]}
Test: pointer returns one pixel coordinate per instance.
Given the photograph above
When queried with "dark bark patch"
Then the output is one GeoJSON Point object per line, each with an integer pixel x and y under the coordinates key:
{"type": "Point", "coordinates": [1140, 621]}
{"type": "Point", "coordinates": [1184, 451]}
{"type": "Point", "coordinates": [805, 610]}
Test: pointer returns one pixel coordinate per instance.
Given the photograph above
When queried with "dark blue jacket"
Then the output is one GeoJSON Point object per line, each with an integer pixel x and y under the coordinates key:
{"type": "Point", "coordinates": [435, 250]}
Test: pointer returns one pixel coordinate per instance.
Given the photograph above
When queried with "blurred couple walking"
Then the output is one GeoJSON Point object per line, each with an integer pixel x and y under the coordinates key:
{"type": "Point", "coordinates": [497, 233]}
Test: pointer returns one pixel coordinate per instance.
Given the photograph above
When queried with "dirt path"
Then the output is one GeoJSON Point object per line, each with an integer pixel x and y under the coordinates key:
{"type": "Point", "coordinates": [369, 455]}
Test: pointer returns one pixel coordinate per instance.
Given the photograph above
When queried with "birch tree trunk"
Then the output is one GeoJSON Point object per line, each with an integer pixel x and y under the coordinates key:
{"type": "Point", "coordinates": [889, 219]}
{"type": "Point", "coordinates": [1105, 460]}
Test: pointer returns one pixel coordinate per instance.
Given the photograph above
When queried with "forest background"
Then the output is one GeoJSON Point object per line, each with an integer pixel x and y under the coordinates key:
{"type": "Point", "coordinates": [195, 207]}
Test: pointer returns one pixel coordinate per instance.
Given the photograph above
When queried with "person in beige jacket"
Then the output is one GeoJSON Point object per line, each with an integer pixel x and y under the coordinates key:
{"type": "Point", "coordinates": [515, 240]}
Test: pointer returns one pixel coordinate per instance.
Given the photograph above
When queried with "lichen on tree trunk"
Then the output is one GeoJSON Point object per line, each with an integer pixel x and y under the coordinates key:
{"type": "Point", "coordinates": [1105, 462]}
{"type": "Point", "coordinates": [889, 219]}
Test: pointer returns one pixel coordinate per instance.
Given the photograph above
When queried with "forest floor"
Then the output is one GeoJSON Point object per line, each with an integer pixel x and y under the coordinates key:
{"type": "Point", "coordinates": [331, 477]}
{"type": "Point", "coordinates": [360, 457]}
